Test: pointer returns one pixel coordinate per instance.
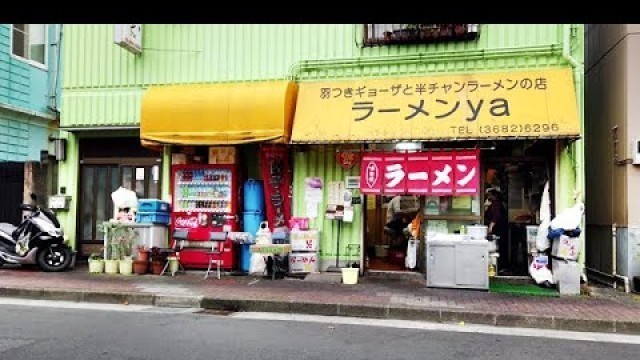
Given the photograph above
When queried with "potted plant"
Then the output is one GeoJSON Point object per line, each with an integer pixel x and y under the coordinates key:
{"type": "Point", "coordinates": [140, 267]}
{"type": "Point", "coordinates": [96, 263]}
{"type": "Point", "coordinates": [143, 253]}
{"type": "Point", "coordinates": [126, 240]}
{"type": "Point", "coordinates": [120, 238]}
{"type": "Point", "coordinates": [157, 261]}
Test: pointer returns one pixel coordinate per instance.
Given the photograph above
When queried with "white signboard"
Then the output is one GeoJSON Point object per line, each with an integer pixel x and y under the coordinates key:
{"type": "Point", "coordinates": [129, 36]}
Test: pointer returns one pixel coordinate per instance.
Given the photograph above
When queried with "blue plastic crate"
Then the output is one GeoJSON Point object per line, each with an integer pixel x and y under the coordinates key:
{"type": "Point", "coordinates": [153, 218]}
{"type": "Point", "coordinates": [153, 205]}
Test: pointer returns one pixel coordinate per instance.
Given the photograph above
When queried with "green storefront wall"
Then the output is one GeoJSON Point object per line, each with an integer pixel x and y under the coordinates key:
{"type": "Point", "coordinates": [182, 54]}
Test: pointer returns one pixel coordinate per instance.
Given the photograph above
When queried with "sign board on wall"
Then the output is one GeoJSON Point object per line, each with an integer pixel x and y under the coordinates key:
{"type": "Point", "coordinates": [536, 103]}
{"type": "Point", "coordinates": [129, 36]}
{"type": "Point", "coordinates": [439, 173]}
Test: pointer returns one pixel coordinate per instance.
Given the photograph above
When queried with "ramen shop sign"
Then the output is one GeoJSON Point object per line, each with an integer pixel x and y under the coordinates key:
{"type": "Point", "coordinates": [421, 173]}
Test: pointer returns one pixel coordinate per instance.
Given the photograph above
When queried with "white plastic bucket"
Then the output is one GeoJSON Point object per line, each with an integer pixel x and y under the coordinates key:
{"type": "Point", "coordinates": [350, 276]}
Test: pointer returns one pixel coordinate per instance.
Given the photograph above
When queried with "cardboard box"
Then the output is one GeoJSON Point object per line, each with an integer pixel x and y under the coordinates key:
{"type": "Point", "coordinates": [304, 240]}
{"type": "Point", "coordinates": [303, 263]}
{"type": "Point", "coordinates": [223, 155]}
{"type": "Point", "coordinates": [565, 247]}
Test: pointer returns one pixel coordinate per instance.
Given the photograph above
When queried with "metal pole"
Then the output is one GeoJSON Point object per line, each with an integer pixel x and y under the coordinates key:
{"type": "Point", "coordinates": [338, 244]}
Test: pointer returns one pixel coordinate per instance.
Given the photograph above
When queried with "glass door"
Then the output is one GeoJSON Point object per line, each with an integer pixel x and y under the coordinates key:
{"type": "Point", "coordinates": [97, 182]}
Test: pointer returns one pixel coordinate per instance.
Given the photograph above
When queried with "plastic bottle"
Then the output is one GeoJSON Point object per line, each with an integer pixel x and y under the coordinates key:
{"type": "Point", "coordinates": [492, 270]}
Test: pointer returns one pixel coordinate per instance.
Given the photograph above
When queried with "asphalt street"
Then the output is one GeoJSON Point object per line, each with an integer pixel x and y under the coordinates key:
{"type": "Point", "coordinates": [65, 331]}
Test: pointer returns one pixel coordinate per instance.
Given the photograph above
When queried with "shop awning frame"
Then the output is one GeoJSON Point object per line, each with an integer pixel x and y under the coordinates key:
{"type": "Point", "coordinates": [218, 114]}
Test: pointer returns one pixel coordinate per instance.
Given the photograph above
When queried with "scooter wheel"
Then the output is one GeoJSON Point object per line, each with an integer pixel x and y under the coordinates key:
{"type": "Point", "coordinates": [54, 259]}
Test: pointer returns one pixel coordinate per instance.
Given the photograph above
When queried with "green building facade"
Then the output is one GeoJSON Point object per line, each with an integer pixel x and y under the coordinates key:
{"type": "Point", "coordinates": [103, 85]}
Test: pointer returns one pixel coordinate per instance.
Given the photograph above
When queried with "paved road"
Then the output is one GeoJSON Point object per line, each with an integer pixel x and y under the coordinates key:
{"type": "Point", "coordinates": [66, 331]}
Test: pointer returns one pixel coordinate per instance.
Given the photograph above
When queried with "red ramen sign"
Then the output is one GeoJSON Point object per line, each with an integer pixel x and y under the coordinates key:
{"type": "Point", "coordinates": [438, 173]}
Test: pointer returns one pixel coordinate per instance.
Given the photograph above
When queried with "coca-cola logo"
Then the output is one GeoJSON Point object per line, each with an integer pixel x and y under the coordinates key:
{"type": "Point", "coordinates": [187, 222]}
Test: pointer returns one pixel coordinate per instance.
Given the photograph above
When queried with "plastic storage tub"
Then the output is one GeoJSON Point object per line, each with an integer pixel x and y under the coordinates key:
{"type": "Point", "coordinates": [153, 218]}
{"type": "Point", "coordinates": [153, 205]}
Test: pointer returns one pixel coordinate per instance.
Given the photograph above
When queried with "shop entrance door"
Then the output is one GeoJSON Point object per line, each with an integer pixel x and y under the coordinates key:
{"type": "Point", "coordinates": [520, 182]}
{"type": "Point", "coordinates": [98, 180]}
{"type": "Point", "coordinates": [386, 246]}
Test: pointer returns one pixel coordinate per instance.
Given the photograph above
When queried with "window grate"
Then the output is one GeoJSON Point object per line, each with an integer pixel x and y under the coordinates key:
{"type": "Point", "coordinates": [388, 34]}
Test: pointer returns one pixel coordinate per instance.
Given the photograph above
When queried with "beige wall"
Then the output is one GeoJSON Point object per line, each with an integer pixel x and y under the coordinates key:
{"type": "Point", "coordinates": [633, 123]}
{"type": "Point", "coordinates": [606, 106]}
{"type": "Point", "coordinates": [612, 91]}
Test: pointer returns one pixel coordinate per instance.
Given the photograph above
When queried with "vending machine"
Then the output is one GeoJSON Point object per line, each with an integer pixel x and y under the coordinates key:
{"type": "Point", "coordinates": [205, 201]}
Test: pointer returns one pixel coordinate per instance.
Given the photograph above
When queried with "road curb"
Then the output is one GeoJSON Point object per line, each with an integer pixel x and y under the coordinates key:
{"type": "Point", "coordinates": [431, 315]}
{"type": "Point", "coordinates": [332, 309]}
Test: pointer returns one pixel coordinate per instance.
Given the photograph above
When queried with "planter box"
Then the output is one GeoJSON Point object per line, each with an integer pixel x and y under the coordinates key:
{"type": "Point", "coordinates": [96, 266]}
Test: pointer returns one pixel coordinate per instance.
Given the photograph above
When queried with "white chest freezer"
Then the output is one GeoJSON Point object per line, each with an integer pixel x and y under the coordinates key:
{"type": "Point", "coordinates": [458, 264]}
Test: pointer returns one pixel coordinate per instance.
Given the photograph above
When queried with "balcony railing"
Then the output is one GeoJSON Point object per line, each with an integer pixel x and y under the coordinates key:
{"type": "Point", "coordinates": [389, 34]}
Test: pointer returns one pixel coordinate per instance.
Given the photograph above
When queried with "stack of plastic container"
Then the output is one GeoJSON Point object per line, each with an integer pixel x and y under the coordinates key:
{"type": "Point", "coordinates": [153, 217]}
{"type": "Point", "coordinates": [153, 211]}
{"type": "Point", "coordinates": [251, 218]}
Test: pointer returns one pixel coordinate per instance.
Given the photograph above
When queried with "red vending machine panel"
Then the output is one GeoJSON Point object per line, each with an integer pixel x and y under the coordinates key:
{"type": "Point", "coordinates": [204, 201]}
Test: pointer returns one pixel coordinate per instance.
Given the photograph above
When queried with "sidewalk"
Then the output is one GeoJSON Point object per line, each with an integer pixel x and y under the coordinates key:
{"type": "Point", "coordinates": [604, 311]}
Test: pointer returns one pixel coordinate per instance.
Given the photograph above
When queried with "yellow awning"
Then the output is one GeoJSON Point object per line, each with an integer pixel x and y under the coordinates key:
{"type": "Point", "coordinates": [217, 114]}
{"type": "Point", "coordinates": [515, 104]}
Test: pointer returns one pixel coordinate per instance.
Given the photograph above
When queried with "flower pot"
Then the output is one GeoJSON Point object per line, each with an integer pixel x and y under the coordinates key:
{"type": "Point", "coordinates": [126, 267]}
{"type": "Point", "coordinates": [143, 255]}
{"type": "Point", "coordinates": [140, 267]}
{"type": "Point", "coordinates": [174, 264]}
{"type": "Point", "coordinates": [96, 266]}
{"type": "Point", "coordinates": [111, 266]}
{"type": "Point", "coordinates": [157, 267]}
{"type": "Point", "coordinates": [350, 276]}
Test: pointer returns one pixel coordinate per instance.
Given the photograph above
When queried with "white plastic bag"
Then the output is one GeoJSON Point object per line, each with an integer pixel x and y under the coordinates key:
{"type": "Point", "coordinates": [410, 259]}
{"type": "Point", "coordinates": [539, 270]}
{"type": "Point", "coordinates": [542, 242]}
{"type": "Point", "coordinates": [569, 219]}
{"type": "Point", "coordinates": [263, 235]}
{"type": "Point", "coordinates": [258, 265]}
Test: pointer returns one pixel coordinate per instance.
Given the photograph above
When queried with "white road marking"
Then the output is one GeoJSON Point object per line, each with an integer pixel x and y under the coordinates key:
{"type": "Point", "coordinates": [462, 328]}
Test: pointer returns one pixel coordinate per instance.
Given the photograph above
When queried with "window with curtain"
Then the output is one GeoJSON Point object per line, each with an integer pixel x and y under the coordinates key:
{"type": "Point", "coordinates": [30, 41]}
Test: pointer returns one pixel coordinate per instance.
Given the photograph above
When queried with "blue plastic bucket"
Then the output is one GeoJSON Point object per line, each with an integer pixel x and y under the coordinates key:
{"type": "Point", "coordinates": [253, 196]}
{"type": "Point", "coordinates": [251, 221]}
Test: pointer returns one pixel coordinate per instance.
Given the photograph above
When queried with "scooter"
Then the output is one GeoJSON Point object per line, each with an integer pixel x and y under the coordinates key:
{"type": "Point", "coordinates": [38, 239]}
